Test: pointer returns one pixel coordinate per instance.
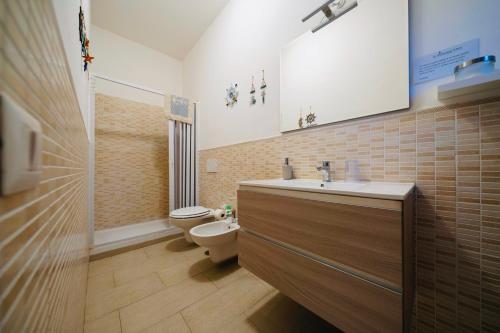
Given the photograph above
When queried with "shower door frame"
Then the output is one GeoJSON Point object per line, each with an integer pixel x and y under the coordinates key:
{"type": "Point", "coordinates": [179, 195]}
{"type": "Point", "coordinates": [91, 147]}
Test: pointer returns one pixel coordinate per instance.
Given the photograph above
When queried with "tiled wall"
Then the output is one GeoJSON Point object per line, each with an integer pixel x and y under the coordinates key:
{"type": "Point", "coordinates": [131, 163]}
{"type": "Point", "coordinates": [452, 154]}
{"type": "Point", "coordinates": [43, 232]}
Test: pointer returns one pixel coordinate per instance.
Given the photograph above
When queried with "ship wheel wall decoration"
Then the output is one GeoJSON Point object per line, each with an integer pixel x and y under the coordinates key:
{"type": "Point", "coordinates": [308, 121]}
{"type": "Point", "coordinates": [84, 41]}
{"type": "Point", "coordinates": [310, 118]}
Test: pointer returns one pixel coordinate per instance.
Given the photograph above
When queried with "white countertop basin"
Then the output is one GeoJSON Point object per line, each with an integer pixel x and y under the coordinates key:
{"type": "Point", "coordinates": [379, 190]}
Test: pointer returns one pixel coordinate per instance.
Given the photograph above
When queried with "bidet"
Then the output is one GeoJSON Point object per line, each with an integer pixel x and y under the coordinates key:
{"type": "Point", "coordinates": [219, 237]}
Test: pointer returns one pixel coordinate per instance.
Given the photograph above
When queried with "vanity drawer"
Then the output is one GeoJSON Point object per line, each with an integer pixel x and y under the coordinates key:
{"type": "Point", "coordinates": [350, 303]}
{"type": "Point", "coordinates": [364, 240]}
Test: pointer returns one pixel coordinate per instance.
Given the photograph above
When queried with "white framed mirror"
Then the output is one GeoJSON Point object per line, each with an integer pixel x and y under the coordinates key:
{"type": "Point", "coordinates": [356, 66]}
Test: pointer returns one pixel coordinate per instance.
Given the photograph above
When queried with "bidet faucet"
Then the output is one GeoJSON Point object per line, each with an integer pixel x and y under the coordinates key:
{"type": "Point", "coordinates": [325, 169]}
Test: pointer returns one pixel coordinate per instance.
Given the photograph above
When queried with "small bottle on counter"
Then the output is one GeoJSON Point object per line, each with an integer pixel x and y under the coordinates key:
{"type": "Point", "coordinates": [229, 214]}
{"type": "Point", "coordinates": [287, 170]}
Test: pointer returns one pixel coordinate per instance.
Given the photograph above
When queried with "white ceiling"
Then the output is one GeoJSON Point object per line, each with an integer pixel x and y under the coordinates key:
{"type": "Point", "coordinates": [170, 26]}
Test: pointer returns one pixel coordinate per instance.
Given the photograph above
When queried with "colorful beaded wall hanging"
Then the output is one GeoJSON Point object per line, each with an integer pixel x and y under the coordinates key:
{"type": "Point", "coordinates": [84, 41]}
{"type": "Point", "coordinates": [232, 95]}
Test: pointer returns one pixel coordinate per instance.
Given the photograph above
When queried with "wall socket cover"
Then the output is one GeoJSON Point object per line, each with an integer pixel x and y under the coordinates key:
{"type": "Point", "coordinates": [21, 155]}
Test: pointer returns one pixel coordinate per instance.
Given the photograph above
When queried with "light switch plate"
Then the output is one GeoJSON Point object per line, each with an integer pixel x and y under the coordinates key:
{"type": "Point", "coordinates": [21, 156]}
{"type": "Point", "coordinates": [212, 165]}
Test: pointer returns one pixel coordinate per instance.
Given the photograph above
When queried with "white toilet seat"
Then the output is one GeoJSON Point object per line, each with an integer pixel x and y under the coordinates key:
{"type": "Point", "coordinates": [189, 212]}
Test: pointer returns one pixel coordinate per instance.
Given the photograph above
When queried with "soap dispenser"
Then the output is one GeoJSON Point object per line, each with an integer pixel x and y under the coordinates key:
{"type": "Point", "coordinates": [287, 170]}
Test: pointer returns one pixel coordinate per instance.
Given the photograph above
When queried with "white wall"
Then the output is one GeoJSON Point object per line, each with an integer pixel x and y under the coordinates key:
{"type": "Point", "coordinates": [67, 19]}
{"type": "Point", "coordinates": [247, 36]}
{"type": "Point", "coordinates": [436, 25]}
{"type": "Point", "coordinates": [122, 59]}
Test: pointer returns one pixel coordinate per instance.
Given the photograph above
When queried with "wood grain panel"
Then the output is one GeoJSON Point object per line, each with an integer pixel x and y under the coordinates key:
{"type": "Point", "coordinates": [347, 302]}
{"type": "Point", "coordinates": [326, 197]}
{"type": "Point", "coordinates": [408, 260]}
{"type": "Point", "coordinates": [43, 231]}
{"type": "Point", "coordinates": [365, 239]}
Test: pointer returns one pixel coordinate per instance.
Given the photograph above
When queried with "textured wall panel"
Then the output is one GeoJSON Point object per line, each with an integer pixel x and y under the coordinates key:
{"type": "Point", "coordinates": [43, 232]}
{"type": "Point", "coordinates": [452, 154]}
{"type": "Point", "coordinates": [131, 162]}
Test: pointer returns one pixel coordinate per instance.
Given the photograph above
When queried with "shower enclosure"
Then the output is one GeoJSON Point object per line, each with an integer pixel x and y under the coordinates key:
{"type": "Point", "coordinates": [141, 165]}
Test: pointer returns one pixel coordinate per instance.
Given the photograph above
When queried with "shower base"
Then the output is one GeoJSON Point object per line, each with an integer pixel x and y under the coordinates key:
{"type": "Point", "coordinates": [115, 239]}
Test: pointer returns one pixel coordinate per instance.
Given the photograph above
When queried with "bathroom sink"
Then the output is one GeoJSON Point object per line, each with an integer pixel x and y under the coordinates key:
{"type": "Point", "coordinates": [314, 184]}
{"type": "Point", "coordinates": [381, 190]}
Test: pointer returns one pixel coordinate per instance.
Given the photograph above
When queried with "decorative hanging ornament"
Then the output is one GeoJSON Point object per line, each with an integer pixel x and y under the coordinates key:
{"type": "Point", "coordinates": [310, 118]}
{"type": "Point", "coordinates": [253, 100]}
{"type": "Point", "coordinates": [301, 120]}
{"type": "Point", "coordinates": [263, 87]}
{"type": "Point", "coordinates": [232, 95]}
{"type": "Point", "coordinates": [88, 58]}
{"type": "Point", "coordinates": [84, 41]}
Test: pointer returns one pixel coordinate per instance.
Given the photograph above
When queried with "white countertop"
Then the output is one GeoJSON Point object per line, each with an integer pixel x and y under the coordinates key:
{"type": "Point", "coordinates": [379, 190]}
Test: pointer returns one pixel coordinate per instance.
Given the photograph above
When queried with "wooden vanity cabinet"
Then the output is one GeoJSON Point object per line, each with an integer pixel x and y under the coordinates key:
{"type": "Point", "coordinates": [348, 259]}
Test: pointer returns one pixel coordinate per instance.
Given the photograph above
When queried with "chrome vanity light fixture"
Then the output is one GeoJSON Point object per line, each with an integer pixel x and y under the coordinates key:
{"type": "Point", "coordinates": [332, 9]}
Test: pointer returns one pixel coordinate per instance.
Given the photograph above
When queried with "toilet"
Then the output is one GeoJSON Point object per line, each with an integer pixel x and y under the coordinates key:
{"type": "Point", "coordinates": [189, 217]}
{"type": "Point", "coordinates": [219, 237]}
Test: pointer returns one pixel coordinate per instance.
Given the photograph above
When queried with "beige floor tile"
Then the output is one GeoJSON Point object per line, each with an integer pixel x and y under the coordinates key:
{"type": "Point", "coordinates": [115, 298]}
{"type": "Point", "coordinates": [174, 324]}
{"type": "Point", "coordinates": [220, 308]}
{"type": "Point", "coordinates": [99, 283]}
{"type": "Point", "coordinates": [129, 257]}
{"type": "Point", "coordinates": [101, 266]}
{"type": "Point", "coordinates": [150, 286]}
{"type": "Point", "coordinates": [240, 324]}
{"type": "Point", "coordinates": [118, 261]}
{"type": "Point", "coordinates": [225, 273]}
{"type": "Point", "coordinates": [196, 253]}
{"type": "Point", "coordinates": [262, 281]}
{"type": "Point", "coordinates": [174, 247]}
{"type": "Point", "coordinates": [150, 265]}
{"type": "Point", "coordinates": [109, 323]}
{"type": "Point", "coordinates": [277, 313]}
{"type": "Point", "coordinates": [184, 270]}
{"type": "Point", "coordinates": [153, 309]}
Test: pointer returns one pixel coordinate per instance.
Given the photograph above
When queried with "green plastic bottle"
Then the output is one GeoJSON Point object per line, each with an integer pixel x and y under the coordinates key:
{"type": "Point", "coordinates": [229, 214]}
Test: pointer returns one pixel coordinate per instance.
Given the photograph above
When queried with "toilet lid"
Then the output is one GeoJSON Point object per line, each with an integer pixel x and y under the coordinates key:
{"type": "Point", "coordinates": [189, 212]}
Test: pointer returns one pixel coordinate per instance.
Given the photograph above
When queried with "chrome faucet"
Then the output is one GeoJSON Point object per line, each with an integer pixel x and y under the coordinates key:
{"type": "Point", "coordinates": [325, 169]}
